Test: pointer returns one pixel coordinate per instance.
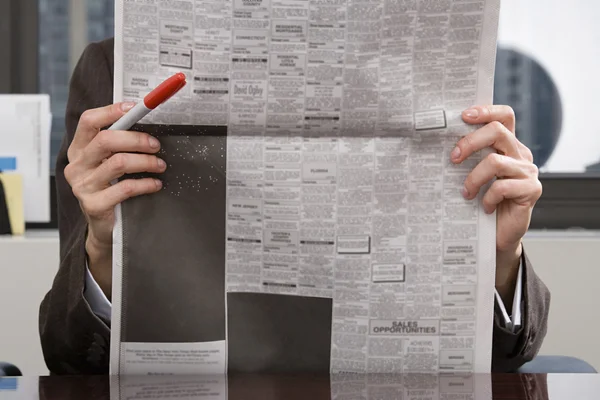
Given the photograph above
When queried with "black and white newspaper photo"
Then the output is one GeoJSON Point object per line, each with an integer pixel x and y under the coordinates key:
{"type": "Point", "coordinates": [310, 218]}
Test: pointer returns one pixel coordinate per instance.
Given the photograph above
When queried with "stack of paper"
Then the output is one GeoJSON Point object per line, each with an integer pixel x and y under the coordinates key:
{"type": "Point", "coordinates": [12, 190]}
{"type": "Point", "coordinates": [25, 147]}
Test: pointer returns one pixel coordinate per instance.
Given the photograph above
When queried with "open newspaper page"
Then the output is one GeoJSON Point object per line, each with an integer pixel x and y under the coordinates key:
{"type": "Point", "coordinates": [342, 240]}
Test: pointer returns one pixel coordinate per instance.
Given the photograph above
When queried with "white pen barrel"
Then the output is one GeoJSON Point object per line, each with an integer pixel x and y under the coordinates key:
{"type": "Point", "coordinates": [132, 117]}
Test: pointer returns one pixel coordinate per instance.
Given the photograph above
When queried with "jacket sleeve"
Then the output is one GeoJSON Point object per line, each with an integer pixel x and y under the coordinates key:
{"type": "Point", "coordinates": [74, 340]}
{"type": "Point", "coordinates": [511, 350]}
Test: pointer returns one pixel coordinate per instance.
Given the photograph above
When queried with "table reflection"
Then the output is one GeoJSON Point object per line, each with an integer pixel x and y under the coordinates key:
{"type": "Point", "coordinates": [300, 386]}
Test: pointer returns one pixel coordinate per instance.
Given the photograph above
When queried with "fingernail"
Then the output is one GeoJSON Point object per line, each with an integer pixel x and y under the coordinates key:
{"type": "Point", "coordinates": [158, 183]}
{"type": "Point", "coordinates": [455, 153]}
{"type": "Point", "coordinates": [154, 143]}
{"type": "Point", "coordinates": [465, 193]}
{"type": "Point", "coordinates": [161, 163]}
{"type": "Point", "coordinates": [127, 106]}
{"type": "Point", "coordinates": [472, 113]}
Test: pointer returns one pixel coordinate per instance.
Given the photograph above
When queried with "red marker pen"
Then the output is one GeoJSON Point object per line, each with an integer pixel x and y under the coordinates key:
{"type": "Point", "coordinates": [162, 93]}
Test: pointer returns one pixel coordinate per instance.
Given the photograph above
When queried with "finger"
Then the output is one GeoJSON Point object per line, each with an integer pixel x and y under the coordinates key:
{"type": "Point", "coordinates": [123, 163]}
{"type": "Point", "coordinates": [92, 121]}
{"type": "Point", "coordinates": [98, 204]}
{"type": "Point", "coordinates": [107, 143]}
{"type": "Point", "coordinates": [486, 114]}
{"type": "Point", "coordinates": [493, 166]}
{"type": "Point", "coordinates": [525, 192]}
{"type": "Point", "coordinates": [493, 135]}
{"type": "Point", "coordinates": [525, 152]}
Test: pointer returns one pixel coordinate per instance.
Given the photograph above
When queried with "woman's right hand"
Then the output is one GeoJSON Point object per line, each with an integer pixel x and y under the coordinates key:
{"type": "Point", "coordinates": [97, 157]}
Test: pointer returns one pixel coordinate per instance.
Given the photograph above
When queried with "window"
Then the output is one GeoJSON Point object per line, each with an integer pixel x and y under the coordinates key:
{"type": "Point", "coordinates": [40, 43]}
{"type": "Point", "coordinates": [63, 24]}
{"type": "Point", "coordinates": [546, 69]}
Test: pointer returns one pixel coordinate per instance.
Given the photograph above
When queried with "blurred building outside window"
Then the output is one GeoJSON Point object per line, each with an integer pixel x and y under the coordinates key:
{"type": "Point", "coordinates": [63, 22]}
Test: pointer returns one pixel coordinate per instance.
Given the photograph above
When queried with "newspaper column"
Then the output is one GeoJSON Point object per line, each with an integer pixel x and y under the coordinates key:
{"type": "Point", "coordinates": [175, 23]}
{"type": "Point", "coordinates": [425, 190]}
{"type": "Point", "coordinates": [320, 172]}
{"type": "Point", "coordinates": [141, 40]}
{"type": "Point", "coordinates": [457, 345]}
{"type": "Point", "coordinates": [211, 62]}
{"type": "Point", "coordinates": [392, 147]}
{"type": "Point", "coordinates": [283, 147]}
{"type": "Point", "coordinates": [245, 153]}
{"type": "Point", "coordinates": [355, 186]}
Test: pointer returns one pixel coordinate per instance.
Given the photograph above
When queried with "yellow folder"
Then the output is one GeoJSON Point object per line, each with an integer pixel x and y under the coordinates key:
{"type": "Point", "coordinates": [13, 190]}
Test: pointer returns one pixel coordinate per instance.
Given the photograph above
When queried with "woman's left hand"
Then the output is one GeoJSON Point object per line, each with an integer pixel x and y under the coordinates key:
{"type": "Point", "coordinates": [517, 189]}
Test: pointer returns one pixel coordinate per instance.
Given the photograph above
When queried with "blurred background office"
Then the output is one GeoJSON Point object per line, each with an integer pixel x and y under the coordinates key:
{"type": "Point", "coordinates": [547, 70]}
{"type": "Point", "coordinates": [65, 28]}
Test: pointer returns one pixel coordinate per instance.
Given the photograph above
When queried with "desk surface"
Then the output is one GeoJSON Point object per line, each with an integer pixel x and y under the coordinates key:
{"type": "Point", "coordinates": [305, 387]}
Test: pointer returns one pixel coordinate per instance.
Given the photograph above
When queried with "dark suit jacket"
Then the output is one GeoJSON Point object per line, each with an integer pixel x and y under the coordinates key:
{"type": "Point", "coordinates": [75, 340]}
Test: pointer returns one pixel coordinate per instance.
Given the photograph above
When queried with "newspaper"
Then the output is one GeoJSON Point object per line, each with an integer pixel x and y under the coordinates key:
{"type": "Point", "coordinates": [346, 240]}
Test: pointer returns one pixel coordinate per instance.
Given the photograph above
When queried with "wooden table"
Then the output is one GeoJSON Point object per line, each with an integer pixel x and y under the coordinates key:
{"type": "Point", "coordinates": [309, 387]}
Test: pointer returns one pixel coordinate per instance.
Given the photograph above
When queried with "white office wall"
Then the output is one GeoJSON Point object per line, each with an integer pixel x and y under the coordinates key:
{"type": "Point", "coordinates": [27, 268]}
{"type": "Point", "coordinates": [567, 262]}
